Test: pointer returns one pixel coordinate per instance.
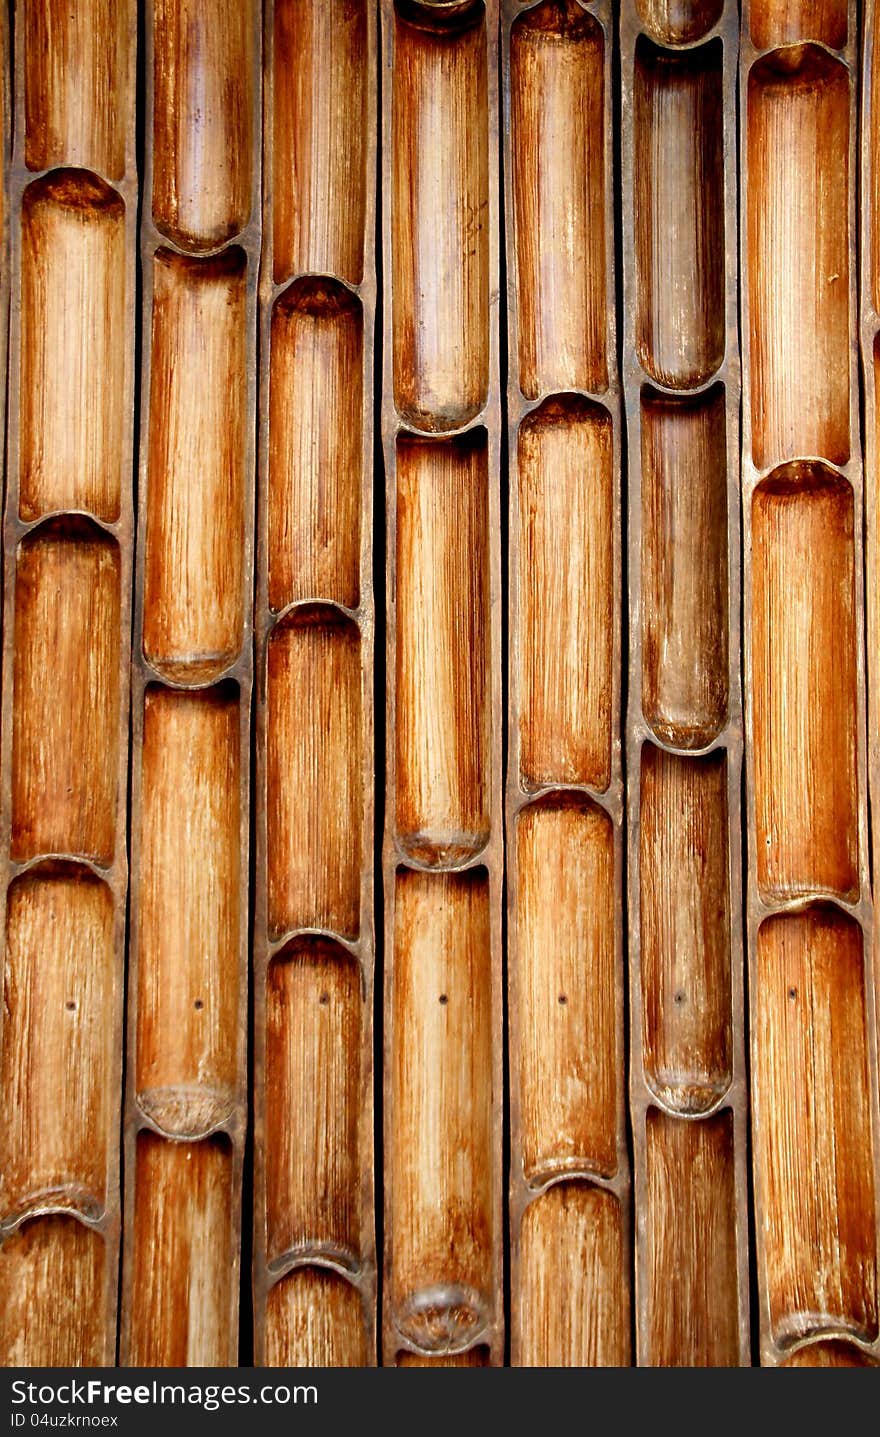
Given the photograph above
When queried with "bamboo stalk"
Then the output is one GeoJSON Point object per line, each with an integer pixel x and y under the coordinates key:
{"type": "Point", "coordinates": [688, 1097]}
{"type": "Point", "coordinates": [569, 1179]}
{"type": "Point", "coordinates": [186, 1093]}
{"type": "Point", "coordinates": [314, 1271]}
{"type": "Point", "coordinates": [443, 1297]}
{"type": "Point", "coordinates": [814, 1073]}
{"type": "Point", "coordinates": [70, 202]}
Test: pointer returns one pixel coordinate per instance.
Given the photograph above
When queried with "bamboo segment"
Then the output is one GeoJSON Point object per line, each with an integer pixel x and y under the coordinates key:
{"type": "Point", "coordinates": [812, 995]}
{"type": "Point", "coordinates": [439, 234]}
{"type": "Point", "coordinates": [58, 1059]}
{"type": "Point", "coordinates": [681, 390]}
{"type": "Point", "coordinates": [74, 65]}
{"type": "Point", "coordinates": [557, 59]}
{"type": "Point", "coordinates": [568, 1079]}
{"type": "Point", "coordinates": [804, 689]}
{"type": "Point", "coordinates": [684, 567]}
{"type": "Point", "coordinates": [195, 515]}
{"type": "Point", "coordinates": [73, 279]}
{"type": "Point", "coordinates": [313, 774]}
{"type": "Point", "coordinates": [691, 1216]}
{"type": "Point", "coordinates": [190, 887]}
{"type": "Point", "coordinates": [314, 1271]}
{"type": "Point", "coordinates": [684, 906]}
{"type": "Point", "coordinates": [441, 1093]}
{"type": "Point", "coordinates": [320, 125]}
{"type": "Point", "coordinates": [442, 678]}
{"type": "Point", "coordinates": [65, 764]}
{"type": "Point", "coordinates": [569, 1184]}
{"type": "Point", "coordinates": [565, 506]}
{"type": "Point", "coordinates": [798, 271]}
{"type": "Point", "coordinates": [53, 1281]}
{"type": "Point", "coordinates": [317, 337]}
{"type": "Point", "coordinates": [572, 1292]}
{"type": "Point", "coordinates": [67, 596]}
{"type": "Point", "coordinates": [678, 170]}
{"type": "Point", "coordinates": [203, 120]}
{"type": "Point", "coordinates": [183, 1203]}
{"type": "Point", "coordinates": [442, 853]}
{"type": "Point", "coordinates": [812, 1116]}
{"type": "Point", "coordinates": [186, 1099]}
{"type": "Point", "coordinates": [316, 1316]}
{"type": "Point", "coordinates": [313, 1041]}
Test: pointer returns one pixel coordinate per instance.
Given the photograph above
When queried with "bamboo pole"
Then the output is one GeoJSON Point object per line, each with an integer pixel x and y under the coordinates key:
{"type": "Point", "coordinates": [569, 1179]}
{"type": "Point", "coordinates": [186, 1089]}
{"type": "Point", "coordinates": [688, 1099]}
{"type": "Point", "coordinates": [72, 201]}
{"type": "Point", "coordinates": [442, 862]}
{"type": "Point", "coordinates": [813, 1034]}
{"type": "Point", "coordinates": [314, 1269]}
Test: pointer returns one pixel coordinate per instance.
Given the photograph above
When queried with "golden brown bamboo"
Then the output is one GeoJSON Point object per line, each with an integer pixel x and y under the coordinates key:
{"type": "Point", "coordinates": [569, 1179]}
{"type": "Point", "coordinates": [186, 1093]}
{"type": "Point", "coordinates": [809, 912]}
{"type": "Point", "coordinates": [443, 1296]}
{"type": "Point", "coordinates": [314, 1267]}
{"type": "Point", "coordinates": [684, 717]}
{"type": "Point", "coordinates": [69, 214]}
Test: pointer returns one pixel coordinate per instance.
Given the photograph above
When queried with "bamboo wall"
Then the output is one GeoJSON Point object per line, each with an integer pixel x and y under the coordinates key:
{"type": "Point", "coordinates": [439, 734]}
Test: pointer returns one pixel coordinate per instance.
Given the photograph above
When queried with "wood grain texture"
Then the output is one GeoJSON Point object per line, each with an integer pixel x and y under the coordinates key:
{"type": "Point", "coordinates": [74, 351]}
{"type": "Point", "coordinates": [183, 1287]}
{"type": "Point", "coordinates": [439, 221]}
{"type": "Point", "coordinates": [474, 1357]}
{"type": "Point", "coordinates": [314, 1318]}
{"type": "Point", "coordinates": [678, 22]}
{"type": "Point", "coordinates": [572, 1308]}
{"type": "Point", "coordinates": [557, 100]}
{"type": "Point", "coordinates": [684, 564]}
{"type": "Point", "coordinates": [58, 1069]}
{"type": "Point", "coordinates": [188, 918]}
{"type": "Point", "coordinates": [564, 966]}
{"type": "Point", "coordinates": [76, 83]}
{"type": "Point", "coordinates": [685, 939]}
{"type": "Point", "coordinates": [193, 607]}
{"type": "Point", "coordinates": [53, 1296]}
{"type": "Point", "coordinates": [564, 514]}
{"type": "Point", "coordinates": [314, 1017]}
{"type": "Point", "coordinates": [65, 755]}
{"type": "Point", "coordinates": [812, 1127]}
{"type": "Point", "coordinates": [679, 212]}
{"type": "Point", "coordinates": [440, 1208]}
{"type": "Point", "coordinates": [829, 1354]}
{"type": "Point", "coordinates": [804, 684]}
{"type": "Point", "coordinates": [320, 103]}
{"type": "Point", "coordinates": [690, 1209]}
{"type": "Point", "coordinates": [443, 728]}
{"type": "Point", "coordinates": [315, 445]}
{"type": "Point", "coordinates": [314, 774]}
{"type": "Point", "coordinates": [204, 72]}
{"type": "Point", "coordinates": [788, 22]}
{"type": "Point", "coordinates": [797, 269]}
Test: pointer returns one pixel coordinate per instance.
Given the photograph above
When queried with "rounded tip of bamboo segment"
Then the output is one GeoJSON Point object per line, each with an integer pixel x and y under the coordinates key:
{"type": "Point", "coordinates": [443, 1318]}
{"type": "Point", "coordinates": [810, 64]}
{"type": "Point", "coordinates": [829, 1354]}
{"type": "Point", "coordinates": [670, 23]}
{"type": "Point", "coordinates": [191, 1113]}
{"type": "Point", "coordinates": [438, 13]}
